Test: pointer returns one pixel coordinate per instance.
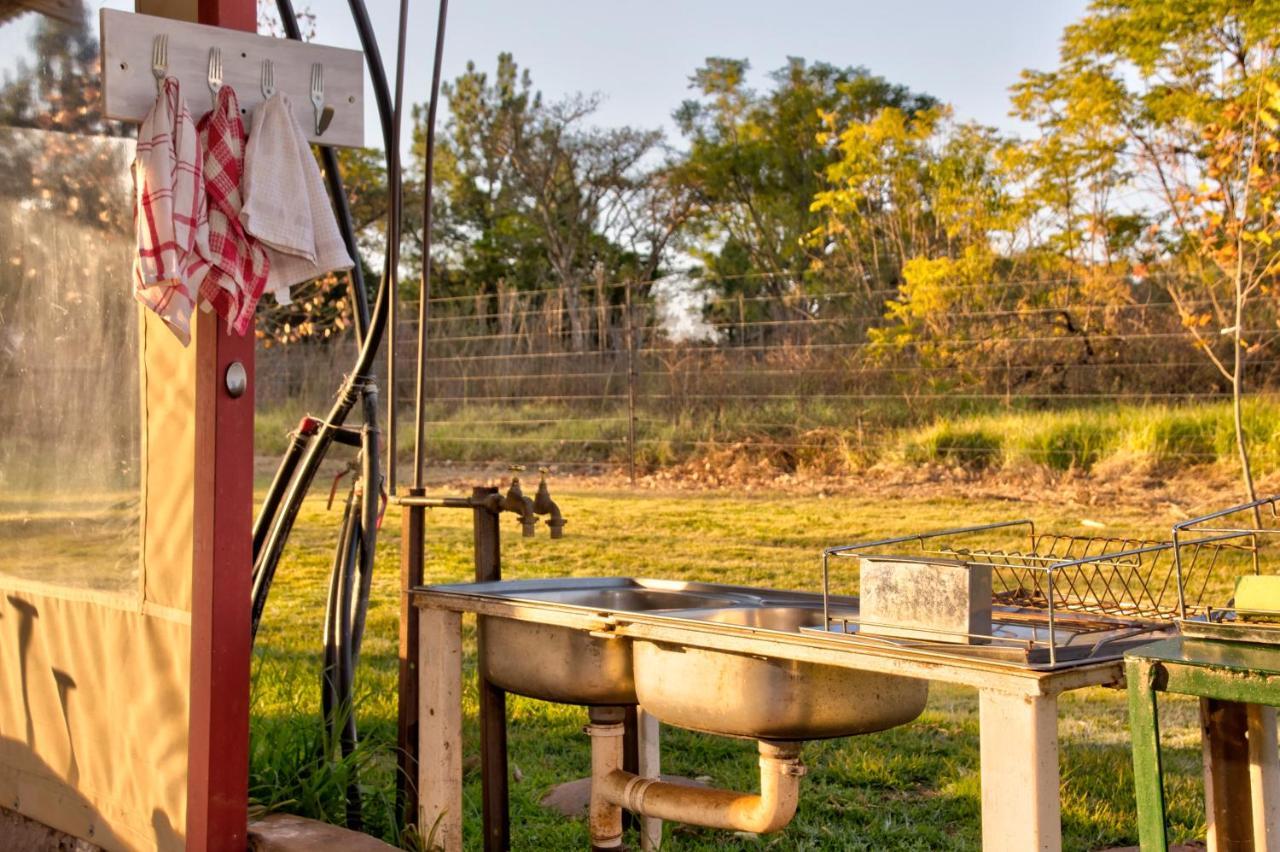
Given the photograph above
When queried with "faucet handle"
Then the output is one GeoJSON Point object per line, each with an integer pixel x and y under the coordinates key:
{"type": "Point", "coordinates": [515, 468]}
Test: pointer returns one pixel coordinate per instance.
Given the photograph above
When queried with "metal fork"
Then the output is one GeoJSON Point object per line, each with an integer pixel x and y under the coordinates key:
{"type": "Point", "coordinates": [215, 73]}
{"type": "Point", "coordinates": [317, 93]}
{"type": "Point", "coordinates": [160, 60]}
{"type": "Point", "coordinates": [268, 79]}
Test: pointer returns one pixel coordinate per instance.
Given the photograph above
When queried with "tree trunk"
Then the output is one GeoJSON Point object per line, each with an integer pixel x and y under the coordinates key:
{"type": "Point", "coordinates": [1237, 398]}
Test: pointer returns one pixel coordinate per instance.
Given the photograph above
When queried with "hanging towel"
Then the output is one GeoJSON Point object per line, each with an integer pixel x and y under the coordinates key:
{"type": "Point", "coordinates": [286, 205]}
{"type": "Point", "coordinates": [239, 266]}
{"type": "Point", "coordinates": [169, 211]}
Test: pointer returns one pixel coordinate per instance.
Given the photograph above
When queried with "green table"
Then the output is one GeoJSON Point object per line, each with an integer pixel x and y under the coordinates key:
{"type": "Point", "coordinates": [1238, 685]}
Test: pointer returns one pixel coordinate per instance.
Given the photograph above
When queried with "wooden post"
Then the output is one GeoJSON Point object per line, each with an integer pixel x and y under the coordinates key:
{"type": "Point", "coordinates": [218, 725]}
{"type": "Point", "coordinates": [1019, 753]}
{"type": "Point", "coordinates": [412, 545]}
{"type": "Point", "coordinates": [1264, 777]}
{"type": "Point", "coordinates": [1227, 794]}
{"type": "Point", "coordinates": [440, 729]}
{"type": "Point", "coordinates": [631, 386]}
{"type": "Point", "coordinates": [493, 701]}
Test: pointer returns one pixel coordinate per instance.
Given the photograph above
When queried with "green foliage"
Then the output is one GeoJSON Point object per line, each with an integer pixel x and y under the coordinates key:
{"type": "Point", "coordinates": [756, 160]}
{"type": "Point", "coordinates": [951, 443]}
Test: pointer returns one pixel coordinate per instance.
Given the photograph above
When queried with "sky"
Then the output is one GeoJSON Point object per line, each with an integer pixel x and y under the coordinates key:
{"type": "Point", "coordinates": [639, 56]}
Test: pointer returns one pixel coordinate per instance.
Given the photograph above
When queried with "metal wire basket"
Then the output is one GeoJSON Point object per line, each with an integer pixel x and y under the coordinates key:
{"type": "Point", "coordinates": [1249, 533]}
{"type": "Point", "coordinates": [1055, 597]}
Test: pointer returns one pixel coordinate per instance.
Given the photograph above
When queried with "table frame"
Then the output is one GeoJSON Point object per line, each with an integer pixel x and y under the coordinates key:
{"type": "Point", "coordinates": [1239, 687]}
{"type": "Point", "coordinates": [1017, 718]}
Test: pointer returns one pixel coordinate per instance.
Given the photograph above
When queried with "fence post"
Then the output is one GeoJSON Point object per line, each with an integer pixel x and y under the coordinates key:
{"type": "Point", "coordinates": [631, 387]}
{"type": "Point", "coordinates": [742, 321]}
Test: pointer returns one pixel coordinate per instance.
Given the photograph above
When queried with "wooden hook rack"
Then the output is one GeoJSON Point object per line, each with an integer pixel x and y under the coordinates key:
{"type": "Point", "coordinates": [129, 88]}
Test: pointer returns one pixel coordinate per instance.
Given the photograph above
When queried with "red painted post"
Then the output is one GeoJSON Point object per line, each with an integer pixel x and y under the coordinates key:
{"type": "Point", "coordinates": [218, 755]}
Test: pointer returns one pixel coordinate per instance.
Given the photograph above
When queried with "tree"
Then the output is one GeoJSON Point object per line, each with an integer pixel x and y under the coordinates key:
{"type": "Point", "coordinates": [1179, 103]}
{"type": "Point", "coordinates": [756, 161]}
{"type": "Point", "coordinates": [904, 187]}
{"type": "Point", "coordinates": [531, 191]}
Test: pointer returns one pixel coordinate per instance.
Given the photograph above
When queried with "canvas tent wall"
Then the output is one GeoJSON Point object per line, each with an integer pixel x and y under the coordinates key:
{"type": "Point", "coordinates": [125, 484]}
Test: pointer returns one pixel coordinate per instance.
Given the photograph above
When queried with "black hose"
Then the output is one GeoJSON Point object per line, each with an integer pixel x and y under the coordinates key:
{"type": "Point", "coordinates": [370, 498]}
{"type": "Point", "coordinates": [336, 678]}
{"type": "Point", "coordinates": [273, 545]}
{"type": "Point", "coordinates": [271, 503]}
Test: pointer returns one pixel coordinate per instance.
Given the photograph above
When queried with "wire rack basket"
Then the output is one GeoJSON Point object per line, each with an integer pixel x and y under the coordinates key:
{"type": "Point", "coordinates": [1249, 532]}
{"type": "Point", "coordinates": [1054, 597]}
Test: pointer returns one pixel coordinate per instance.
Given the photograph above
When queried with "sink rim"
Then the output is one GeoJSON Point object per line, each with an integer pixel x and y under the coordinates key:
{"type": "Point", "coordinates": [539, 591]}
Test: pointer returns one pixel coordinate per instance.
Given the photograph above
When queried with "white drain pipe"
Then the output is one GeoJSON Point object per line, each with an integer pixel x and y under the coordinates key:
{"type": "Point", "coordinates": [613, 789]}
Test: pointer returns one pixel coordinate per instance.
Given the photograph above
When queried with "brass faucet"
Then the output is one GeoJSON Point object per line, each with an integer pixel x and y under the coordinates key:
{"type": "Point", "coordinates": [544, 505]}
{"type": "Point", "coordinates": [516, 501]}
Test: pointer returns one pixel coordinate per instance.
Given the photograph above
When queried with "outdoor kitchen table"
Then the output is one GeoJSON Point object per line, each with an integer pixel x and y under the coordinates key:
{"type": "Point", "coordinates": [1238, 684]}
{"type": "Point", "coordinates": [1018, 706]}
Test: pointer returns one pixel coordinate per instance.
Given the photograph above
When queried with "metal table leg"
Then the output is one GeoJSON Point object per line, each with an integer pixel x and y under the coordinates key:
{"type": "Point", "coordinates": [650, 767]}
{"type": "Point", "coordinates": [1019, 752]}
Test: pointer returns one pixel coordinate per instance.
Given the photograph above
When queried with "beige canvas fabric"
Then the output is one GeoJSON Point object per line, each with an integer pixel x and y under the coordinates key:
{"type": "Point", "coordinates": [94, 725]}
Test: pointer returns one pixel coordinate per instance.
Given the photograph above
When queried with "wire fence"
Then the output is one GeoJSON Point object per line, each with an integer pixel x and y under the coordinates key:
{"type": "Point", "coordinates": [639, 374]}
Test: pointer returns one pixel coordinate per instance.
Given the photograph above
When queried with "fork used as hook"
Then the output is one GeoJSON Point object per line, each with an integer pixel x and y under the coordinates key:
{"type": "Point", "coordinates": [317, 92]}
{"type": "Point", "coordinates": [268, 79]}
{"type": "Point", "coordinates": [160, 60]}
{"type": "Point", "coordinates": [215, 73]}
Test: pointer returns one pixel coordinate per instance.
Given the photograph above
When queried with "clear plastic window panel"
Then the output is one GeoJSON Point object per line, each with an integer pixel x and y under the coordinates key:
{"type": "Point", "coordinates": [69, 420]}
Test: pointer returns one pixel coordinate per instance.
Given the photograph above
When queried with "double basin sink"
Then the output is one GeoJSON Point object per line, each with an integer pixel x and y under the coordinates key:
{"type": "Point", "coordinates": [684, 684]}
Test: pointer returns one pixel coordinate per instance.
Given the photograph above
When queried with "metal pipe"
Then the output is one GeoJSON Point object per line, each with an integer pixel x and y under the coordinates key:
{"type": "Point", "coordinates": [769, 811]}
{"type": "Point", "coordinates": [424, 295]}
{"type": "Point", "coordinates": [412, 544]}
{"type": "Point", "coordinates": [396, 188]}
{"type": "Point", "coordinates": [884, 542]}
{"type": "Point", "coordinates": [370, 492]}
{"type": "Point", "coordinates": [607, 731]}
{"type": "Point", "coordinates": [493, 701]}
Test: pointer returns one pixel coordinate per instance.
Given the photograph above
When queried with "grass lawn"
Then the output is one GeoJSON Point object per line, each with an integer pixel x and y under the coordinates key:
{"type": "Point", "coordinates": [915, 787]}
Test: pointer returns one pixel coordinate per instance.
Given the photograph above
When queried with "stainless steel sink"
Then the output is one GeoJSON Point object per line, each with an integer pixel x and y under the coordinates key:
{"type": "Point", "coordinates": [571, 666]}
{"type": "Point", "coordinates": [555, 663]}
{"type": "Point", "coordinates": [741, 695]}
{"type": "Point", "coordinates": [704, 689]}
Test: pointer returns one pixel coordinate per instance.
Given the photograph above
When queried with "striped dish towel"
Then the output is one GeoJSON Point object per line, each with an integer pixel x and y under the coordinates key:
{"type": "Point", "coordinates": [170, 214]}
{"type": "Point", "coordinates": [239, 266]}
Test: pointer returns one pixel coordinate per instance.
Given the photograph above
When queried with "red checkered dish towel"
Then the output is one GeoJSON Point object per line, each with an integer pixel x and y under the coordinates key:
{"type": "Point", "coordinates": [238, 275]}
{"type": "Point", "coordinates": [169, 211]}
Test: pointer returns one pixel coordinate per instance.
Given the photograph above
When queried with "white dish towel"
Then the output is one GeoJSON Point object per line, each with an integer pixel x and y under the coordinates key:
{"type": "Point", "coordinates": [285, 203]}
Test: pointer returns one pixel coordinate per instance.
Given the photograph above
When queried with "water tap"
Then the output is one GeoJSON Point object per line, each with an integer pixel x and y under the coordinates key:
{"type": "Point", "coordinates": [544, 505]}
{"type": "Point", "coordinates": [516, 501]}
